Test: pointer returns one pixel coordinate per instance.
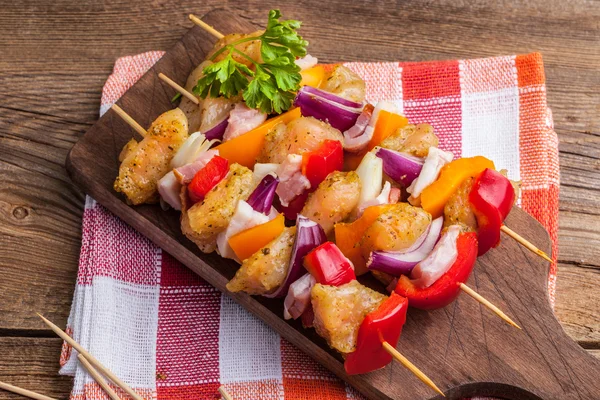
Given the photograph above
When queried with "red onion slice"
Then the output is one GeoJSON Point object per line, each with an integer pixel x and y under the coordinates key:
{"type": "Point", "coordinates": [262, 197]}
{"type": "Point", "coordinates": [402, 262]}
{"type": "Point", "coordinates": [330, 96]}
{"type": "Point", "coordinates": [217, 131]}
{"type": "Point", "coordinates": [401, 167]}
{"type": "Point", "coordinates": [309, 235]}
{"type": "Point", "coordinates": [334, 112]}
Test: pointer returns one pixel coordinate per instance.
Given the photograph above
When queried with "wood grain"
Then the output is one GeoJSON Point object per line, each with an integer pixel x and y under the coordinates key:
{"type": "Point", "coordinates": [57, 55]}
{"type": "Point", "coordinates": [487, 357]}
{"type": "Point", "coordinates": [32, 363]}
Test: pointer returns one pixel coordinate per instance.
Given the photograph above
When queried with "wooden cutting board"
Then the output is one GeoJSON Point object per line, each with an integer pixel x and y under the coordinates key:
{"type": "Point", "coordinates": [464, 348]}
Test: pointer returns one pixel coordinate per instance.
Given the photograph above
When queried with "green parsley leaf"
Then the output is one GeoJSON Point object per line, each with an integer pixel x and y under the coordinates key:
{"type": "Point", "coordinates": [269, 86]}
{"type": "Point", "coordinates": [176, 97]}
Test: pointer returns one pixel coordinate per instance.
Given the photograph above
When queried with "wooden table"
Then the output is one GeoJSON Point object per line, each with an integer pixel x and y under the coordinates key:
{"type": "Point", "coordinates": [56, 56]}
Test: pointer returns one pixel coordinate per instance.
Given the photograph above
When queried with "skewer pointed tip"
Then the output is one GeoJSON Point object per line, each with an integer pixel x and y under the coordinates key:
{"type": "Point", "coordinates": [411, 367]}
{"type": "Point", "coordinates": [488, 304]}
{"type": "Point", "coordinates": [526, 243]}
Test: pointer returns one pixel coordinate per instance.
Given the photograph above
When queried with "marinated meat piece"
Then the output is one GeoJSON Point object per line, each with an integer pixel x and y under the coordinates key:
{"type": "Point", "coordinates": [339, 311]}
{"type": "Point", "coordinates": [144, 163]}
{"type": "Point", "coordinates": [266, 269]}
{"type": "Point", "coordinates": [412, 139]}
{"type": "Point", "coordinates": [301, 135]}
{"type": "Point", "coordinates": [345, 83]}
{"type": "Point", "coordinates": [334, 199]}
{"type": "Point", "coordinates": [458, 209]}
{"type": "Point", "coordinates": [396, 229]}
{"type": "Point", "coordinates": [203, 221]}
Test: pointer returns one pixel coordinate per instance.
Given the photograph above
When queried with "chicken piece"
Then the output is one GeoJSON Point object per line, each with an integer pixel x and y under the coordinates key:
{"type": "Point", "coordinates": [334, 199]}
{"type": "Point", "coordinates": [458, 209]}
{"type": "Point", "coordinates": [345, 83]}
{"type": "Point", "coordinates": [146, 162]}
{"type": "Point", "coordinates": [251, 49]}
{"type": "Point", "coordinates": [214, 110]}
{"type": "Point", "coordinates": [266, 269]}
{"type": "Point", "coordinates": [396, 229]}
{"type": "Point", "coordinates": [412, 139]}
{"type": "Point", "coordinates": [340, 310]}
{"type": "Point", "coordinates": [301, 135]}
{"type": "Point", "coordinates": [203, 221]}
{"type": "Point", "coordinates": [193, 111]}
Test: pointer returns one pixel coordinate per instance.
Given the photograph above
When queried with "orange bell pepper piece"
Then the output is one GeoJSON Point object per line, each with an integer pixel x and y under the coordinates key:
{"type": "Point", "coordinates": [248, 242]}
{"type": "Point", "coordinates": [436, 195]}
{"type": "Point", "coordinates": [312, 76]}
{"type": "Point", "coordinates": [387, 124]}
{"type": "Point", "coordinates": [348, 236]}
{"type": "Point", "coordinates": [245, 148]}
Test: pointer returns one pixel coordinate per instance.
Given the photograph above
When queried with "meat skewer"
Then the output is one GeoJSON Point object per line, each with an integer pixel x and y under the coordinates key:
{"type": "Point", "coordinates": [130, 121]}
{"type": "Point", "coordinates": [505, 229]}
{"type": "Point", "coordinates": [177, 87]}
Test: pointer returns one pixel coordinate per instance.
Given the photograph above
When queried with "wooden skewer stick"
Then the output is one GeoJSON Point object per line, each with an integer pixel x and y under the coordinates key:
{"type": "Point", "coordinates": [130, 121]}
{"type": "Point", "coordinates": [411, 367]}
{"type": "Point", "coordinates": [224, 393]}
{"type": "Point", "coordinates": [527, 244]}
{"type": "Point", "coordinates": [488, 304]}
{"type": "Point", "coordinates": [206, 26]}
{"type": "Point", "coordinates": [180, 89]}
{"type": "Point", "coordinates": [24, 392]}
{"type": "Point", "coordinates": [91, 359]}
{"type": "Point", "coordinates": [97, 377]}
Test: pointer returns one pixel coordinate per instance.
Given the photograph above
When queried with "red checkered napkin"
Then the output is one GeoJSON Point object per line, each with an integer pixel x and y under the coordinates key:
{"type": "Point", "coordinates": [170, 335]}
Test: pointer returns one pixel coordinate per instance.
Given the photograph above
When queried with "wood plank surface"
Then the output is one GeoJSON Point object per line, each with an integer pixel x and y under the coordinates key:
{"type": "Point", "coordinates": [56, 56]}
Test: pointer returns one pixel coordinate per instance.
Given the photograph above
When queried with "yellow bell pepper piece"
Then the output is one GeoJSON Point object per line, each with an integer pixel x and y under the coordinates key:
{"type": "Point", "coordinates": [248, 242]}
{"type": "Point", "coordinates": [436, 195]}
{"type": "Point", "coordinates": [245, 148]}
{"type": "Point", "coordinates": [312, 76]}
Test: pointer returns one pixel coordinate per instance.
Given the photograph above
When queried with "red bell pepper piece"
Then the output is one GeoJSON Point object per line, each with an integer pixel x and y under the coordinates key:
{"type": "Point", "coordinates": [329, 266]}
{"type": "Point", "coordinates": [382, 325]}
{"type": "Point", "coordinates": [317, 164]}
{"type": "Point", "coordinates": [447, 288]}
{"type": "Point", "coordinates": [207, 178]}
{"type": "Point", "coordinates": [492, 198]}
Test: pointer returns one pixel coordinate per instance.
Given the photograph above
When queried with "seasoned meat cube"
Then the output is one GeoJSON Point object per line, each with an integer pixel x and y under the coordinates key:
{"type": "Point", "coordinates": [396, 229]}
{"type": "Point", "coordinates": [301, 135]}
{"type": "Point", "coordinates": [203, 221]}
{"type": "Point", "coordinates": [334, 199]}
{"type": "Point", "coordinates": [339, 311]}
{"type": "Point", "coordinates": [412, 139]}
{"type": "Point", "coordinates": [345, 83]}
{"type": "Point", "coordinates": [144, 163]}
{"type": "Point", "coordinates": [458, 209]}
{"type": "Point", "coordinates": [266, 269]}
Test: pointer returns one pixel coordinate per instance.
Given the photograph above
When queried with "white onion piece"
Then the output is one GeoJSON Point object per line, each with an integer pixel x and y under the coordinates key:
{"type": "Point", "coordinates": [191, 149]}
{"type": "Point", "coordinates": [169, 189]}
{"type": "Point", "coordinates": [434, 162]}
{"type": "Point", "coordinates": [262, 170]}
{"type": "Point", "coordinates": [383, 198]}
{"type": "Point", "coordinates": [306, 62]}
{"type": "Point", "coordinates": [439, 261]}
{"type": "Point", "coordinates": [370, 172]}
{"type": "Point", "coordinates": [245, 217]}
{"type": "Point", "coordinates": [298, 297]}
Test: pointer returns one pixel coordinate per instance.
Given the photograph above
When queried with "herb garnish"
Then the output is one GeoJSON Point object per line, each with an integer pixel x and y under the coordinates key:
{"type": "Point", "coordinates": [272, 85]}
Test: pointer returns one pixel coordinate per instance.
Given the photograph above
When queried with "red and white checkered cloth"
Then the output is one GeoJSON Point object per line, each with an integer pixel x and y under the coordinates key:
{"type": "Point", "coordinates": [171, 335]}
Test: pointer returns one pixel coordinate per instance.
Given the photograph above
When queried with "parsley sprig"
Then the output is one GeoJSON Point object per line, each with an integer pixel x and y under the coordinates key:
{"type": "Point", "coordinates": [271, 86]}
